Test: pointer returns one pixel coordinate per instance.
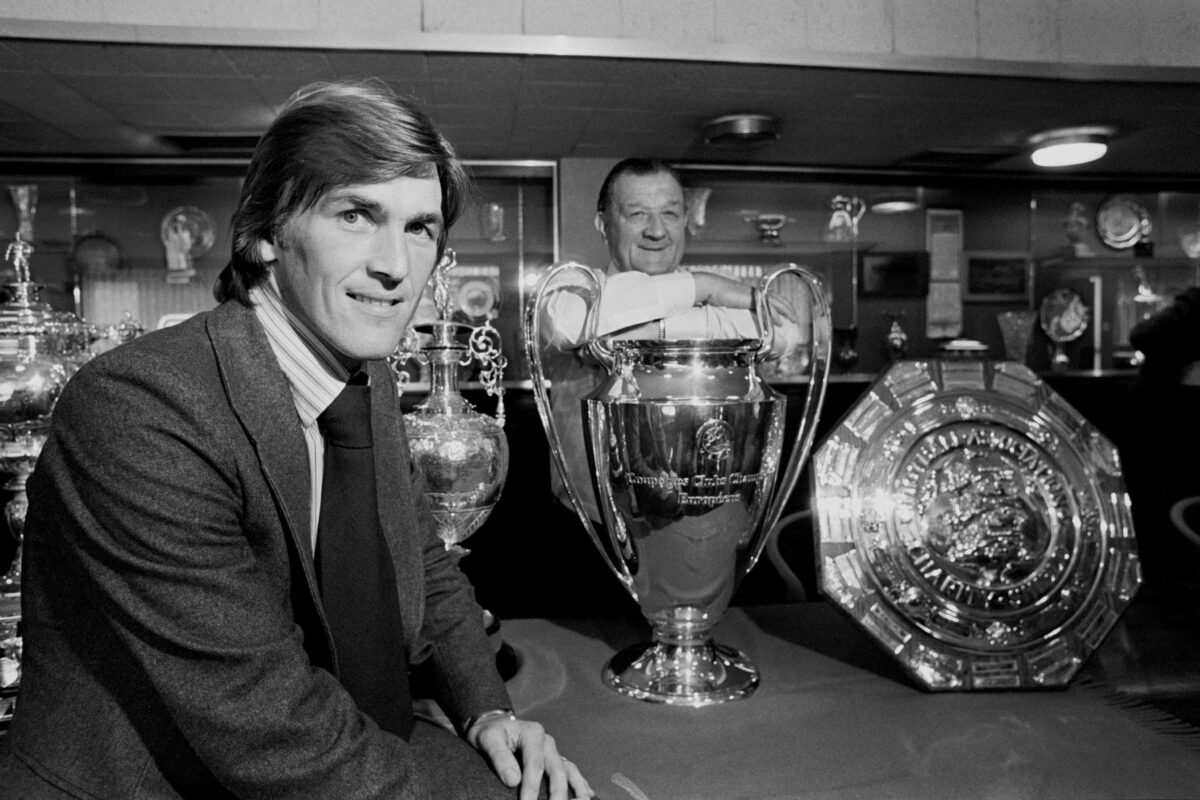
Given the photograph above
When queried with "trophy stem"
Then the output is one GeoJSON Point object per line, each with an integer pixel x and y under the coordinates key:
{"type": "Point", "coordinates": [1059, 360]}
{"type": "Point", "coordinates": [682, 666]}
{"type": "Point", "coordinates": [14, 514]}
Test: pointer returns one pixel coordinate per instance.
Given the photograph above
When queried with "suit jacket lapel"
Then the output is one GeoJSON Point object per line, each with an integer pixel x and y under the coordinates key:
{"type": "Point", "coordinates": [261, 398]}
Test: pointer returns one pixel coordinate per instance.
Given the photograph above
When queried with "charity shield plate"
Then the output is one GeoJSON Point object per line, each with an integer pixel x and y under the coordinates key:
{"type": "Point", "coordinates": [975, 525]}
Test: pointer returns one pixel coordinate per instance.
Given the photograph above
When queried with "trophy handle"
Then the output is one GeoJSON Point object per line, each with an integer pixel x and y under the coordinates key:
{"type": "Point", "coordinates": [599, 350]}
{"type": "Point", "coordinates": [485, 346]}
{"type": "Point", "coordinates": [822, 339]}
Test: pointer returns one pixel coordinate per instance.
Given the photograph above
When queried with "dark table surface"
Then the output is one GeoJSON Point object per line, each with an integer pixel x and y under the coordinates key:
{"type": "Point", "coordinates": [835, 717]}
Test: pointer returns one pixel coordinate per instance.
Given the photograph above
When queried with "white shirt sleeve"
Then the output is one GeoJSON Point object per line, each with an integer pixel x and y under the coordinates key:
{"type": "Point", "coordinates": [716, 322]}
{"type": "Point", "coordinates": [627, 299]}
{"type": "Point", "coordinates": [712, 322]}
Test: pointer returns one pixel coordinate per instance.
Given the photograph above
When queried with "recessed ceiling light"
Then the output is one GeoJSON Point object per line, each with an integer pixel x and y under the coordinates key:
{"type": "Point", "coordinates": [896, 203]}
{"type": "Point", "coordinates": [1066, 147]}
{"type": "Point", "coordinates": [741, 129]}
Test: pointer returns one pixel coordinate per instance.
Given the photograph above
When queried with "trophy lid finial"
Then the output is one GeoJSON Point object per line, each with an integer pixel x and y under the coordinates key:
{"type": "Point", "coordinates": [18, 254]}
{"type": "Point", "coordinates": [441, 284]}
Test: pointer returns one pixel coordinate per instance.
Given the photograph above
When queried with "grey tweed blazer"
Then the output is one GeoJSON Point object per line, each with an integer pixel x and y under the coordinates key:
{"type": "Point", "coordinates": [175, 644]}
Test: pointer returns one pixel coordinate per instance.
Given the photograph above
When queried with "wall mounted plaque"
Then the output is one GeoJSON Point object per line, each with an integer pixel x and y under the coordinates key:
{"type": "Point", "coordinates": [974, 525]}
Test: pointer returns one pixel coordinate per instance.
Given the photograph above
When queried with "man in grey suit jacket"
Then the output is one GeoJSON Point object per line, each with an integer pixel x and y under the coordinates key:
{"type": "Point", "coordinates": [176, 643]}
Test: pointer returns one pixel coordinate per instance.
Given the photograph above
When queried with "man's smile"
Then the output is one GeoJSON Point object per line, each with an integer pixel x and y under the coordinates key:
{"type": "Point", "coordinates": [373, 301]}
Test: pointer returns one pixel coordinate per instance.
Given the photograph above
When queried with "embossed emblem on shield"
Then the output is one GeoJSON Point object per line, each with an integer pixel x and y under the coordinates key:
{"type": "Point", "coordinates": [975, 525]}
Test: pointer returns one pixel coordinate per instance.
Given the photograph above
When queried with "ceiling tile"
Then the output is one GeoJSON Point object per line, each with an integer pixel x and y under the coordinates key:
{"type": "Point", "coordinates": [52, 101]}
{"type": "Point", "coordinates": [78, 58]}
{"type": "Point", "coordinates": [407, 66]}
{"type": "Point", "coordinates": [213, 91]}
{"type": "Point", "coordinates": [168, 60]}
{"type": "Point", "coordinates": [542, 96]}
{"type": "Point", "coordinates": [234, 118]}
{"type": "Point", "coordinates": [276, 91]}
{"type": "Point", "coordinates": [472, 93]}
{"type": "Point", "coordinates": [567, 70]}
{"type": "Point", "coordinates": [102, 89]}
{"type": "Point", "coordinates": [562, 119]}
{"type": "Point", "coordinates": [96, 97]}
{"type": "Point", "coordinates": [300, 65]}
{"type": "Point", "coordinates": [491, 69]}
{"type": "Point", "coordinates": [32, 135]}
{"type": "Point", "coordinates": [11, 113]}
{"type": "Point", "coordinates": [11, 61]}
{"type": "Point", "coordinates": [157, 117]}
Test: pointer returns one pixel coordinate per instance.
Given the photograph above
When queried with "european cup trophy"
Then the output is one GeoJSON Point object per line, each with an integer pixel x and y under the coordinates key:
{"type": "Point", "coordinates": [685, 442]}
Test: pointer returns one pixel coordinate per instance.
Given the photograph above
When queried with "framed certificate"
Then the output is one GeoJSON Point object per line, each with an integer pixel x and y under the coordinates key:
{"type": "Point", "coordinates": [996, 276]}
{"type": "Point", "coordinates": [898, 274]}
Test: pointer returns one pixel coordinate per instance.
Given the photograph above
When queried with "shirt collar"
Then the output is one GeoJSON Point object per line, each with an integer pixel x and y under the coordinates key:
{"type": "Point", "coordinates": [314, 373]}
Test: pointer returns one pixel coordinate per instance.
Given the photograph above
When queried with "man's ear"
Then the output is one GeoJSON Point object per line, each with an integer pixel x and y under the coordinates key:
{"type": "Point", "coordinates": [601, 226]}
{"type": "Point", "coordinates": [267, 252]}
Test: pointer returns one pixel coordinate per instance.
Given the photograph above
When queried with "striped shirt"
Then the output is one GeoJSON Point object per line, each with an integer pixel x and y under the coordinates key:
{"type": "Point", "coordinates": [314, 373]}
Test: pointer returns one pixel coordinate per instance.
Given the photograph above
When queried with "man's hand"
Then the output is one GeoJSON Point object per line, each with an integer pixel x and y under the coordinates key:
{"type": "Point", "coordinates": [791, 328]}
{"type": "Point", "coordinates": [789, 325]}
{"type": "Point", "coordinates": [502, 739]}
{"type": "Point", "coordinates": [717, 290]}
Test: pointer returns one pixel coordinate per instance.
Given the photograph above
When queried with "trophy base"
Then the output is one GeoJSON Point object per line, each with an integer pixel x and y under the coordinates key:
{"type": "Point", "coordinates": [682, 674]}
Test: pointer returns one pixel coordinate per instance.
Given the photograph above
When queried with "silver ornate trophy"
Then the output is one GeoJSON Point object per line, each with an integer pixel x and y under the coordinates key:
{"type": "Point", "coordinates": [685, 441]}
{"type": "Point", "coordinates": [36, 359]}
{"type": "Point", "coordinates": [463, 453]}
{"type": "Point", "coordinates": [974, 525]}
{"type": "Point", "coordinates": [34, 368]}
{"type": "Point", "coordinates": [1064, 317]}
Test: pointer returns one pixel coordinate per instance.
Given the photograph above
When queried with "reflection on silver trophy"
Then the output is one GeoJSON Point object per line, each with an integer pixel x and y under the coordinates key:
{"type": "Point", "coordinates": [686, 441]}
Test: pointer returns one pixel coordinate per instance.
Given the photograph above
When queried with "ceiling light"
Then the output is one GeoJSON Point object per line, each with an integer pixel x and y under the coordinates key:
{"type": "Point", "coordinates": [740, 129]}
{"type": "Point", "coordinates": [894, 203]}
{"type": "Point", "coordinates": [1065, 147]}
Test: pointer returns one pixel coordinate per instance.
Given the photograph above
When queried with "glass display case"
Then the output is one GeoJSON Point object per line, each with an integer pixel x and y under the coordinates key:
{"type": "Point", "coordinates": [506, 236]}
{"type": "Point", "coordinates": [1126, 253]}
{"type": "Point", "coordinates": [107, 242]}
{"type": "Point", "coordinates": [1127, 249]}
{"type": "Point", "coordinates": [149, 243]}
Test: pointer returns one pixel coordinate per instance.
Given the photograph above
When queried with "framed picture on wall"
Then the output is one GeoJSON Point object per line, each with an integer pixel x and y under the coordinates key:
{"type": "Point", "coordinates": [898, 274]}
{"type": "Point", "coordinates": [997, 276]}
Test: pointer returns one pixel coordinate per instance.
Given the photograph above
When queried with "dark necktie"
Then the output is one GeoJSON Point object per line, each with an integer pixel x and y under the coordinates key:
{"type": "Point", "coordinates": [354, 566]}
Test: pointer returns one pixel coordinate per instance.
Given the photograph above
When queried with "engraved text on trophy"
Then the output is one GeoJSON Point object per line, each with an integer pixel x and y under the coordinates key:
{"type": "Point", "coordinates": [689, 484]}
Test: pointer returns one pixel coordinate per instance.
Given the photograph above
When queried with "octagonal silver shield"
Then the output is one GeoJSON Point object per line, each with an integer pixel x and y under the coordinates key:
{"type": "Point", "coordinates": [975, 525]}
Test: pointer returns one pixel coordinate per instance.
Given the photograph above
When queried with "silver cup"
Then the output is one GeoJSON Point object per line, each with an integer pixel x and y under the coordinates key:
{"type": "Point", "coordinates": [685, 441]}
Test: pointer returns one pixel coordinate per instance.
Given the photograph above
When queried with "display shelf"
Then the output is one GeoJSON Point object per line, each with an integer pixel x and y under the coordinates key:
{"type": "Point", "coordinates": [743, 248]}
{"type": "Point", "coordinates": [1109, 286]}
{"type": "Point", "coordinates": [482, 247]}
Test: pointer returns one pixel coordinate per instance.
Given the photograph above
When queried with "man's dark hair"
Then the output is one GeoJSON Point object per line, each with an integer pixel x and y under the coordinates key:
{"type": "Point", "coordinates": [632, 166]}
{"type": "Point", "coordinates": [327, 136]}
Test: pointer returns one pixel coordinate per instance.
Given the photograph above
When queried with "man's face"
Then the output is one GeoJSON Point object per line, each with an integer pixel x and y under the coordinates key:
{"type": "Point", "coordinates": [353, 266]}
{"type": "Point", "coordinates": [644, 223]}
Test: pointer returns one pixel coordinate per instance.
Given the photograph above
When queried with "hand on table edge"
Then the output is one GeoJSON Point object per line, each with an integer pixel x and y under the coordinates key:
{"type": "Point", "coordinates": [501, 737]}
